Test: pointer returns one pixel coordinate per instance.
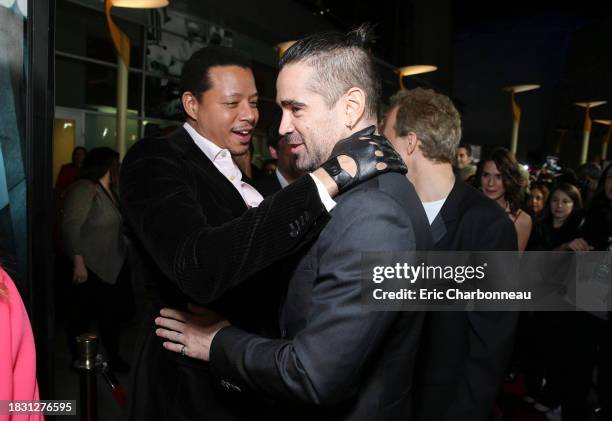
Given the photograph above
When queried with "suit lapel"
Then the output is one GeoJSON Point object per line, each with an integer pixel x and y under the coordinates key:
{"type": "Point", "coordinates": [190, 152]}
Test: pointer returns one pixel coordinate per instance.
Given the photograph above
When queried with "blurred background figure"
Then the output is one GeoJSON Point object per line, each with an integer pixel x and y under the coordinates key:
{"type": "Point", "coordinates": [69, 173]}
{"type": "Point", "coordinates": [538, 198]}
{"type": "Point", "coordinates": [92, 232]}
{"type": "Point", "coordinates": [500, 180]}
{"type": "Point", "coordinates": [245, 163]}
{"type": "Point", "coordinates": [464, 161]}
{"type": "Point", "coordinates": [286, 171]}
{"type": "Point", "coordinates": [269, 166]}
{"type": "Point", "coordinates": [17, 352]}
{"type": "Point", "coordinates": [588, 176]}
{"type": "Point", "coordinates": [564, 219]}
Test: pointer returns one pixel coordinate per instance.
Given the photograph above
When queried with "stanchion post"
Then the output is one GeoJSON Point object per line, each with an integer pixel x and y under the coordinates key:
{"type": "Point", "coordinates": [87, 365]}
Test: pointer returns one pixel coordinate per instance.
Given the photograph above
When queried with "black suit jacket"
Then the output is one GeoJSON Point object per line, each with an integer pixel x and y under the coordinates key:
{"type": "Point", "coordinates": [267, 185]}
{"type": "Point", "coordinates": [463, 355]}
{"type": "Point", "coordinates": [202, 245]}
{"type": "Point", "coordinates": [335, 360]}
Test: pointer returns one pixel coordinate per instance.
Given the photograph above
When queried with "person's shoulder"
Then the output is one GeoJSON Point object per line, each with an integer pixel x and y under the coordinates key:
{"type": "Point", "coordinates": [524, 220]}
{"type": "Point", "coordinates": [82, 185]}
{"type": "Point", "coordinates": [474, 203]}
{"type": "Point", "coordinates": [154, 147]}
{"type": "Point", "coordinates": [393, 185]}
{"type": "Point", "coordinates": [382, 194]}
{"type": "Point", "coordinates": [12, 293]}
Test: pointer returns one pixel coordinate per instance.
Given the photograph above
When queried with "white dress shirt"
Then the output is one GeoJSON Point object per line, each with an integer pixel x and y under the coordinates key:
{"type": "Point", "coordinates": [222, 159]}
{"type": "Point", "coordinates": [281, 180]}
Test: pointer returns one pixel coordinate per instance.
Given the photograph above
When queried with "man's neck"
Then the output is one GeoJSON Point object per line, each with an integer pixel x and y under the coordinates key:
{"type": "Point", "coordinates": [432, 180]}
{"type": "Point", "coordinates": [290, 177]}
{"type": "Point", "coordinates": [194, 125]}
{"type": "Point", "coordinates": [362, 124]}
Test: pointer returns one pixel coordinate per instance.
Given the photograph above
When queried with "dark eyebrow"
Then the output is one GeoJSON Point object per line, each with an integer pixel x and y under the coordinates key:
{"type": "Point", "coordinates": [292, 103]}
{"type": "Point", "coordinates": [233, 94]}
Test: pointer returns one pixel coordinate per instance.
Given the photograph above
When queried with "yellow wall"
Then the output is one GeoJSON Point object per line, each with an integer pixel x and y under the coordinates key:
{"type": "Point", "coordinates": [63, 143]}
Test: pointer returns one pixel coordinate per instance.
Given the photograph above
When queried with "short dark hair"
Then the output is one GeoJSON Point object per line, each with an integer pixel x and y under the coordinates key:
{"type": "Point", "coordinates": [77, 149]}
{"type": "Point", "coordinates": [98, 162]}
{"type": "Point", "coordinates": [195, 77]}
{"type": "Point", "coordinates": [572, 191]}
{"type": "Point", "coordinates": [511, 176]}
{"type": "Point", "coordinates": [601, 199]}
{"type": "Point", "coordinates": [341, 61]}
{"type": "Point", "coordinates": [467, 147]}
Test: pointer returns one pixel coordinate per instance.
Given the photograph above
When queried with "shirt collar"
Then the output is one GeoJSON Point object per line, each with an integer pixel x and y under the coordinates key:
{"type": "Point", "coordinates": [282, 180]}
{"type": "Point", "coordinates": [211, 150]}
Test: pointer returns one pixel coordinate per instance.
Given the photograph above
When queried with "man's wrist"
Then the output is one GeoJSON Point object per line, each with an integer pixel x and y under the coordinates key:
{"type": "Point", "coordinates": [326, 181]}
{"type": "Point", "coordinates": [324, 194]}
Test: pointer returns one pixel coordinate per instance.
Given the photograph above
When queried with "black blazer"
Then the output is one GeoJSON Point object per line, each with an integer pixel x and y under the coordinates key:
{"type": "Point", "coordinates": [335, 359]}
{"type": "Point", "coordinates": [267, 185]}
{"type": "Point", "coordinates": [201, 244]}
{"type": "Point", "coordinates": [463, 355]}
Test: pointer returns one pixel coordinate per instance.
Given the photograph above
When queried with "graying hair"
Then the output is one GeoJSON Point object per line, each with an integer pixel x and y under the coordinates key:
{"type": "Point", "coordinates": [432, 117]}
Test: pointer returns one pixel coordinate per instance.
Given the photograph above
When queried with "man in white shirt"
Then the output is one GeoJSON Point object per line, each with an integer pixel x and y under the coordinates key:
{"type": "Point", "coordinates": [207, 237]}
{"type": "Point", "coordinates": [462, 356]}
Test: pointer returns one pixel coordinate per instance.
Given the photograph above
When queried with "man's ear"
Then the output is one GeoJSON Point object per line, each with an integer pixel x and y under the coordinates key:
{"type": "Point", "coordinates": [412, 142]}
{"type": "Point", "coordinates": [355, 104]}
{"type": "Point", "coordinates": [273, 152]}
{"type": "Point", "coordinates": [190, 105]}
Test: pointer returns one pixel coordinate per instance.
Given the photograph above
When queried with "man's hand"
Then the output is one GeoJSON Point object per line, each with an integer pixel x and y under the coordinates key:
{"type": "Point", "coordinates": [360, 157]}
{"type": "Point", "coordinates": [189, 334]}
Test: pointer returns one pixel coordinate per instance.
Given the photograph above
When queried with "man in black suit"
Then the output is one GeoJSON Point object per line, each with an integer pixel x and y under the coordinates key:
{"type": "Point", "coordinates": [462, 356]}
{"type": "Point", "coordinates": [286, 170]}
{"type": "Point", "coordinates": [334, 360]}
{"type": "Point", "coordinates": [207, 237]}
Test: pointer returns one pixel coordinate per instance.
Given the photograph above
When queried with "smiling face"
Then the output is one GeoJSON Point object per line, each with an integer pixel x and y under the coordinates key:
{"type": "Point", "coordinates": [310, 127]}
{"type": "Point", "coordinates": [226, 114]}
{"type": "Point", "coordinates": [492, 182]}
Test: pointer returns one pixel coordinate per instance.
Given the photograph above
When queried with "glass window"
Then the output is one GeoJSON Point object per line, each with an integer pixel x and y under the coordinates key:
{"type": "Point", "coordinates": [82, 84]}
{"type": "Point", "coordinates": [101, 130]}
{"type": "Point", "coordinates": [82, 31]}
{"type": "Point", "coordinates": [162, 98]}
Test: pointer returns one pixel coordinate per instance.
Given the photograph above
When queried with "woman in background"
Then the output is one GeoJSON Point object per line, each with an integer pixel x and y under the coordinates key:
{"type": "Point", "coordinates": [17, 352]}
{"type": "Point", "coordinates": [69, 173]}
{"type": "Point", "coordinates": [92, 231]}
{"type": "Point", "coordinates": [538, 198]}
{"type": "Point", "coordinates": [500, 180]}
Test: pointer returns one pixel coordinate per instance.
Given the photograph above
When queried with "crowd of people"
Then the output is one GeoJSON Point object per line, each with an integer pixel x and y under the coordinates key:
{"type": "Point", "coordinates": [224, 245]}
{"type": "Point", "coordinates": [561, 356]}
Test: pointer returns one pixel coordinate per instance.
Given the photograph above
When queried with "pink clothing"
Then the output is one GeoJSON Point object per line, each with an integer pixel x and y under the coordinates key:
{"type": "Point", "coordinates": [17, 353]}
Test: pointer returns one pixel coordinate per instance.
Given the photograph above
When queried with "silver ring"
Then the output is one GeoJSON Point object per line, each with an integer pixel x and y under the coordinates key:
{"type": "Point", "coordinates": [183, 350]}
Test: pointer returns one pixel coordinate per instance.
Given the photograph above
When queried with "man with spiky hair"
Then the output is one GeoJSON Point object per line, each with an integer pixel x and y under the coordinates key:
{"type": "Point", "coordinates": [335, 360]}
{"type": "Point", "coordinates": [207, 236]}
